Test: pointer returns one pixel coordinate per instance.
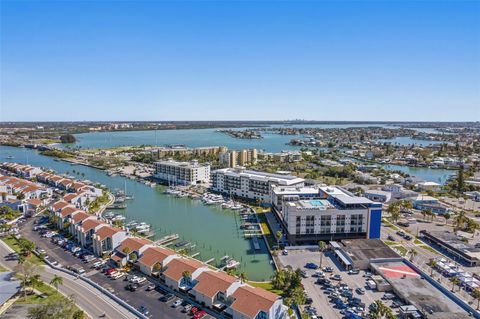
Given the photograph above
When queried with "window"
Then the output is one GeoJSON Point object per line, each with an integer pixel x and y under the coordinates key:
{"type": "Point", "coordinates": [340, 224]}
{"type": "Point", "coordinates": [297, 225]}
{"type": "Point", "coordinates": [310, 224]}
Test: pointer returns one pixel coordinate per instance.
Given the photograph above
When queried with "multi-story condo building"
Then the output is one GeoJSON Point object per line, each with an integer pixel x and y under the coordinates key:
{"type": "Point", "coordinates": [279, 193]}
{"type": "Point", "coordinates": [181, 149]}
{"type": "Point", "coordinates": [184, 173]}
{"type": "Point", "coordinates": [250, 184]}
{"type": "Point", "coordinates": [335, 214]}
{"type": "Point", "coordinates": [238, 158]}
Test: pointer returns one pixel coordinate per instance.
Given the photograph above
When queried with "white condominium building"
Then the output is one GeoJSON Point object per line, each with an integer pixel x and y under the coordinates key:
{"type": "Point", "coordinates": [250, 184]}
{"type": "Point", "coordinates": [183, 173]}
{"type": "Point", "coordinates": [335, 214]}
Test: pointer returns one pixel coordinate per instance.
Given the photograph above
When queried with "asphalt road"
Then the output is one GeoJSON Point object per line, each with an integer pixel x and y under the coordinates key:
{"type": "Point", "coordinates": [141, 297]}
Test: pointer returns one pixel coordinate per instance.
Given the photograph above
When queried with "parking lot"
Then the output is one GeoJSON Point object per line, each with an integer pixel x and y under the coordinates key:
{"type": "Point", "coordinates": [320, 294]}
{"type": "Point", "coordinates": [141, 298]}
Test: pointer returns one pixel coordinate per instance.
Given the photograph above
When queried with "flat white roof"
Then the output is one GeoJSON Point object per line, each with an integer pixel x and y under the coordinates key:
{"type": "Point", "coordinates": [261, 176]}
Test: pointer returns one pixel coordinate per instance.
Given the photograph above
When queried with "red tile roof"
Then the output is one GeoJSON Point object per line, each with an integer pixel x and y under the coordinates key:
{"type": "Point", "coordinates": [176, 267]}
{"type": "Point", "coordinates": [80, 216]}
{"type": "Point", "coordinates": [133, 243]}
{"type": "Point", "coordinates": [59, 205]}
{"type": "Point", "coordinates": [153, 255]}
{"type": "Point", "coordinates": [68, 210]}
{"type": "Point", "coordinates": [250, 301]}
{"type": "Point", "coordinates": [106, 231]}
{"type": "Point", "coordinates": [211, 282]}
{"type": "Point", "coordinates": [91, 224]}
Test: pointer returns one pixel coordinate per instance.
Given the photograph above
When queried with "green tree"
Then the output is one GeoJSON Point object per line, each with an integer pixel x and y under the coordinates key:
{"type": "Point", "coordinates": [278, 235]}
{"type": "Point", "coordinates": [243, 277]}
{"type": "Point", "coordinates": [455, 281]}
{"type": "Point", "coordinates": [54, 309]}
{"type": "Point", "coordinates": [26, 270]}
{"type": "Point", "coordinates": [476, 296]}
{"type": "Point", "coordinates": [446, 216]}
{"type": "Point", "coordinates": [321, 247]}
{"type": "Point", "coordinates": [186, 276]}
{"type": "Point", "coordinates": [432, 263]}
{"type": "Point", "coordinates": [56, 281]}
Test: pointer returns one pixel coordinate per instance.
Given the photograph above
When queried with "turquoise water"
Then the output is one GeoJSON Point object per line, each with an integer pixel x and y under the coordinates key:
{"type": "Point", "coordinates": [428, 174]}
{"type": "Point", "coordinates": [214, 230]}
{"type": "Point", "coordinates": [196, 138]}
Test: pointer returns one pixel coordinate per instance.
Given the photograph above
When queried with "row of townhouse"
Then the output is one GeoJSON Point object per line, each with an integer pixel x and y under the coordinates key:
{"type": "Point", "coordinates": [52, 180]}
{"type": "Point", "coordinates": [212, 288]}
{"type": "Point", "coordinates": [67, 184]}
{"type": "Point", "coordinates": [25, 171]}
{"type": "Point", "coordinates": [13, 187]}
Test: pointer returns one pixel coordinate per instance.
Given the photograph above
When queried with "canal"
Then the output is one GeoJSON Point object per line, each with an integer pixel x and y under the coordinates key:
{"type": "Point", "coordinates": [214, 230]}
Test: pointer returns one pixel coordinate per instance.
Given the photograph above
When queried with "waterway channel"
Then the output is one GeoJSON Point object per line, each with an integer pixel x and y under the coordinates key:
{"type": "Point", "coordinates": [215, 231]}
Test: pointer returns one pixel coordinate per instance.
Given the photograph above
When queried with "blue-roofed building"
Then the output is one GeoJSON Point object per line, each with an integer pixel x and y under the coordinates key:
{"type": "Point", "coordinates": [8, 287]}
{"type": "Point", "coordinates": [329, 213]}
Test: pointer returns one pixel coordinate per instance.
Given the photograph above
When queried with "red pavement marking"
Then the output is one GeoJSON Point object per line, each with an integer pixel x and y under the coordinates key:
{"type": "Point", "coordinates": [399, 271]}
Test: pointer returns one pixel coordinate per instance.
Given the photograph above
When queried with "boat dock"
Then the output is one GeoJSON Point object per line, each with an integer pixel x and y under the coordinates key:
{"type": "Point", "coordinates": [209, 261]}
{"type": "Point", "coordinates": [256, 244]}
{"type": "Point", "coordinates": [167, 239]}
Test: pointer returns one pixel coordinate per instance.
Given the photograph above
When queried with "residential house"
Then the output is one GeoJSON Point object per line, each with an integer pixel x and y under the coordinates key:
{"type": "Point", "coordinates": [131, 247]}
{"type": "Point", "coordinates": [106, 239]}
{"type": "Point", "coordinates": [154, 260]}
{"type": "Point", "coordinates": [87, 229]}
{"type": "Point", "coordinates": [176, 269]}
{"type": "Point", "coordinates": [255, 303]}
{"type": "Point", "coordinates": [214, 288]}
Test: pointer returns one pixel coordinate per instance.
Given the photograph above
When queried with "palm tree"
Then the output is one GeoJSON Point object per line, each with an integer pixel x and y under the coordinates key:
{"type": "Point", "coordinates": [27, 270]}
{"type": "Point", "coordinates": [424, 214]}
{"type": "Point", "coordinates": [412, 253]}
{"type": "Point", "coordinates": [321, 247]}
{"type": "Point", "coordinates": [186, 275]}
{"type": "Point", "coordinates": [279, 235]}
{"type": "Point", "coordinates": [446, 216]}
{"type": "Point", "coordinates": [455, 281]}
{"type": "Point", "coordinates": [460, 220]}
{"type": "Point", "coordinates": [432, 263]}
{"type": "Point", "coordinates": [243, 277]}
{"type": "Point", "coordinates": [35, 281]}
{"type": "Point", "coordinates": [56, 281]}
{"type": "Point", "coordinates": [476, 295]}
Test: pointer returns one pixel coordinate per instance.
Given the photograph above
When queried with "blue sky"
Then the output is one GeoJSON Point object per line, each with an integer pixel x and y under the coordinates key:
{"type": "Point", "coordinates": [243, 60]}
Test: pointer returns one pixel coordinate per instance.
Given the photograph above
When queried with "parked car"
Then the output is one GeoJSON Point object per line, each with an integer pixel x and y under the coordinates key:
{"type": "Point", "coordinates": [199, 314]}
{"type": "Point", "coordinates": [151, 287]}
{"type": "Point", "coordinates": [355, 271]}
{"type": "Point", "coordinates": [408, 237]}
{"type": "Point", "coordinates": [336, 277]}
{"type": "Point", "coordinates": [132, 287]}
{"type": "Point", "coordinates": [360, 291]}
{"type": "Point", "coordinates": [400, 233]}
{"type": "Point", "coordinates": [391, 238]}
{"type": "Point", "coordinates": [388, 296]}
{"type": "Point", "coordinates": [187, 308]}
{"type": "Point", "coordinates": [177, 303]}
{"type": "Point", "coordinates": [311, 266]}
{"type": "Point", "coordinates": [327, 269]}
{"type": "Point", "coordinates": [168, 297]}
{"type": "Point", "coordinates": [144, 310]}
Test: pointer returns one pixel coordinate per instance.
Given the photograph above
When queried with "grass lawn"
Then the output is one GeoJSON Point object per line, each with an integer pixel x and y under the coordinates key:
{"type": "Point", "coordinates": [266, 286]}
{"type": "Point", "coordinates": [401, 250]}
{"type": "Point", "coordinates": [266, 230]}
{"type": "Point", "coordinates": [48, 293]}
{"type": "Point", "coordinates": [428, 248]}
{"type": "Point", "coordinates": [12, 243]}
{"type": "Point", "coordinates": [418, 242]}
{"type": "Point", "coordinates": [390, 243]}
